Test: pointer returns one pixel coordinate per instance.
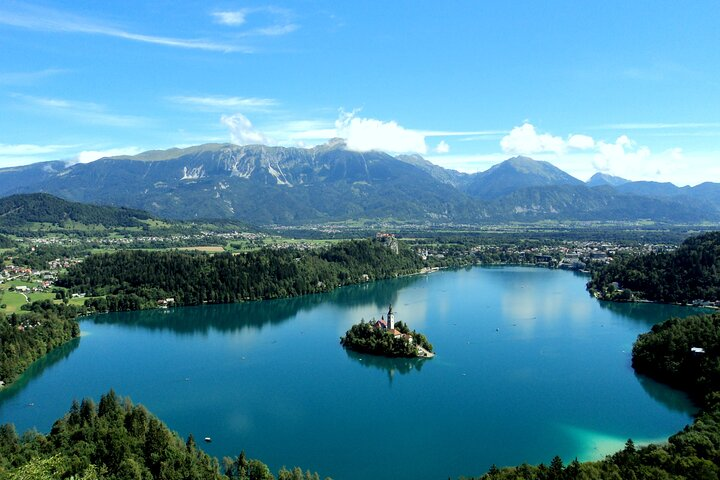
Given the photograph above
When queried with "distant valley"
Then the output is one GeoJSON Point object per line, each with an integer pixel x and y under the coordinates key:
{"type": "Point", "coordinates": [277, 185]}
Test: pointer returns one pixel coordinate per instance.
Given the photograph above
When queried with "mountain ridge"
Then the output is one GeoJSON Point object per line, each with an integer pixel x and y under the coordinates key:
{"type": "Point", "coordinates": [291, 185]}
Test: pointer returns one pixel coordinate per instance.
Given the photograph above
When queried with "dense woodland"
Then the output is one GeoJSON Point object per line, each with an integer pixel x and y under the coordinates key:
{"type": "Point", "coordinates": [131, 280]}
{"type": "Point", "coordinates": [27, 337]}
{"type": "Point", "coordinates": [665, 354]}
{"type": "Point", "coordinates": [694, 453]}
{"type": "Point", "coordinates": [364, 337]}
{"type": "Point", "coordinates": [121, 441]}
{"type": "Point", "coordinates": [692, 272]}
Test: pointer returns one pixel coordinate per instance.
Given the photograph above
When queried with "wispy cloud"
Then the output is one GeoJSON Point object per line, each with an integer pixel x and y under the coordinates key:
{"type": "Point", "coordinates": [278, 21]}
{"type": "Point", "coordinates": [275, 30]}
{"type": "Point", "coordinates": [86, 112]}
{"type": "Point", "coordinates": [454, 133]}
{"type": "Point", "coordinates": [13, 155]}
{"type": "Point", "coordinates": [660, 126]}
{"type": "Point", "coordinates": [23, 149]}
{"type": "Point", "coordinates": [223, 102]}
{"type": "Point", "coordinates": [50, 20]}
{"type": "Point", "coordinates": [23, 78]}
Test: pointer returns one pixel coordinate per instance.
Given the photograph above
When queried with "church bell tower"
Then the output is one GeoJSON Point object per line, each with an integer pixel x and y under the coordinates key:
{"type": "Point", "coordinates": [390, 319]}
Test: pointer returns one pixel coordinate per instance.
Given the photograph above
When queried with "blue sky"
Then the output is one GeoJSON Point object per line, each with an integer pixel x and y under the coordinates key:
{"type": "Point", "coordinates": [626, 88]}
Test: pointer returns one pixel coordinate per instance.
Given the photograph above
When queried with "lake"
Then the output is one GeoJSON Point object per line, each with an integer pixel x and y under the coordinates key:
{"type": "Point", "coordinates": [528, 366]}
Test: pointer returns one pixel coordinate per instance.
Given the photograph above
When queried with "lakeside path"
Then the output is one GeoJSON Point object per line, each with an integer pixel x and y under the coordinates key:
{"type": "Point", "coordinates": [423, 353]}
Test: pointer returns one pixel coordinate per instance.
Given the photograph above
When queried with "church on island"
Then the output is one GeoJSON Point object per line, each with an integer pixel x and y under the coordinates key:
{"type": "Point", "coordinates": [387, 338]}
{"type": "Point", "coordinates": [389, 326]}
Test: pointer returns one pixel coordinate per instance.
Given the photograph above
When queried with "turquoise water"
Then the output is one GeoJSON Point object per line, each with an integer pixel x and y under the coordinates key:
{"type": "Point", "coordinates": [528, 366]}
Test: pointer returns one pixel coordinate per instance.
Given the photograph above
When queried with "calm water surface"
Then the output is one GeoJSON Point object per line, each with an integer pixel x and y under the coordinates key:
{"type": "Point", "coordinates": [528, 366]}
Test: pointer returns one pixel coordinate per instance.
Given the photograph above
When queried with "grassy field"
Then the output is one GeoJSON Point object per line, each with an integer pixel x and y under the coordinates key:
{"type": "Point", "coordinates": [15, 300]}
{"type": "Point", "coordinates": [34, 297]}
{"type": "Point", "coordinates": [12, 301]}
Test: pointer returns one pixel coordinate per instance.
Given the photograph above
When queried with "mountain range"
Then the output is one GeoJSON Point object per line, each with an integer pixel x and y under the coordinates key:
{"type": "Point", "coordinates": [278, 185]}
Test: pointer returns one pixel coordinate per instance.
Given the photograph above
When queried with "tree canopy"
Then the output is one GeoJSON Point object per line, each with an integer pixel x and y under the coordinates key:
{"type": "Point", "coordinates": [117, 440]}
{"type": "Point", "coordinates": [692, 272]}
{"type": "Point", "coordinates": [134, 279]}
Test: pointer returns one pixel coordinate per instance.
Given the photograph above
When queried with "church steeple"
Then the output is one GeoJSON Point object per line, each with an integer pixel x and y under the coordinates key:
{"type": "Point", "coordinates": [390, 319]}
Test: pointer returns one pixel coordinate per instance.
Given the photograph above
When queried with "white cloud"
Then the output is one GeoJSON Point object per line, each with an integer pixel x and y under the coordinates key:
{"type": "Point", "coordinates": [242, 131]}
{"type": "Point", "coordinates": [231, 18]}
{"type": "Point", "coordinates": [217, 101]}
{"type": "Point", "coordinates": [524, 140]}
{"type": "Point", "coordinates": [364, 134]}
{"type": "Point", "coordinates": [442, 147]}
{"type": "Point", "coordinates": [581, 142]}
{"type": "Point", "coordinates": [582, 155]}
{"type": "Point", "coordinates": [621, 158]}
{"type": "Point", "coordinates": [50, 20]}
{"type": "Point", "coordinates": [88, 156]}
{"type": "Point", "coordinates": [278, 20]}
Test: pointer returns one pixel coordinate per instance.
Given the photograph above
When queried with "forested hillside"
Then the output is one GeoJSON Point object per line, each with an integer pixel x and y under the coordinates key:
{"type": "Point", "coordinates": [692, 272]}
{"type": "Point", "coordinates": [20, 210]}
{"type": "Point", "coordinates": [131, 280]}
{"type": "Point", "coordinates": [665, 353]}
{"type": "Point", "coordinates": [118, 440]}
{"type": "Point", "coordinates": [27, 337]}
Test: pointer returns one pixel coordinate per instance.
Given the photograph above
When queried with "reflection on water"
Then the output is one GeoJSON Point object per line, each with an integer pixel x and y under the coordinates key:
{"type": "Point", "coordinates": [671, 398]}
{"type": "Point", "coordinates": [37, 368]}
{"type": "Point", "coordinates": [256, 315]}
{"type": "Point", "coordinates": [650, 313]}
{"type": "Point", "coordinates": [402, 366]}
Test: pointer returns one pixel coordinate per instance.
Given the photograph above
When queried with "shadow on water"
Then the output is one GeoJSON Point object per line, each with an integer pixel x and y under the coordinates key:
{"type": "Point", "coordinates": [37, 368]}
{"type": "Point", "coordinates": [256, 315]}
{"type": "Point", "coordinates": [675, 400]}
{"type": "Point", "coordinates": [648, 314]}
{"type": "Point", "coordinates": [391, 366]}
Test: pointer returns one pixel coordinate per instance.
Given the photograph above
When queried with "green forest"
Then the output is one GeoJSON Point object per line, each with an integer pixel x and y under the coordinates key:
{"type": "Point", "coordinates": [135, 279]}
{"type": "Point", "coordinates": [692, 272]}
{"type": "Point", "coordinates": [665, 355]}
{"type": "Point", "coordinates": [27, 337]}
{"type": "Point", "coordinates": [118, 440]}
{"type": "Point", "coordinates": [364, 337]}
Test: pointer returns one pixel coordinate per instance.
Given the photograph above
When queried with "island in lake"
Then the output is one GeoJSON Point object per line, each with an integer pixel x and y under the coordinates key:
{"type": "Point", "coordinates": [387, 338]}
